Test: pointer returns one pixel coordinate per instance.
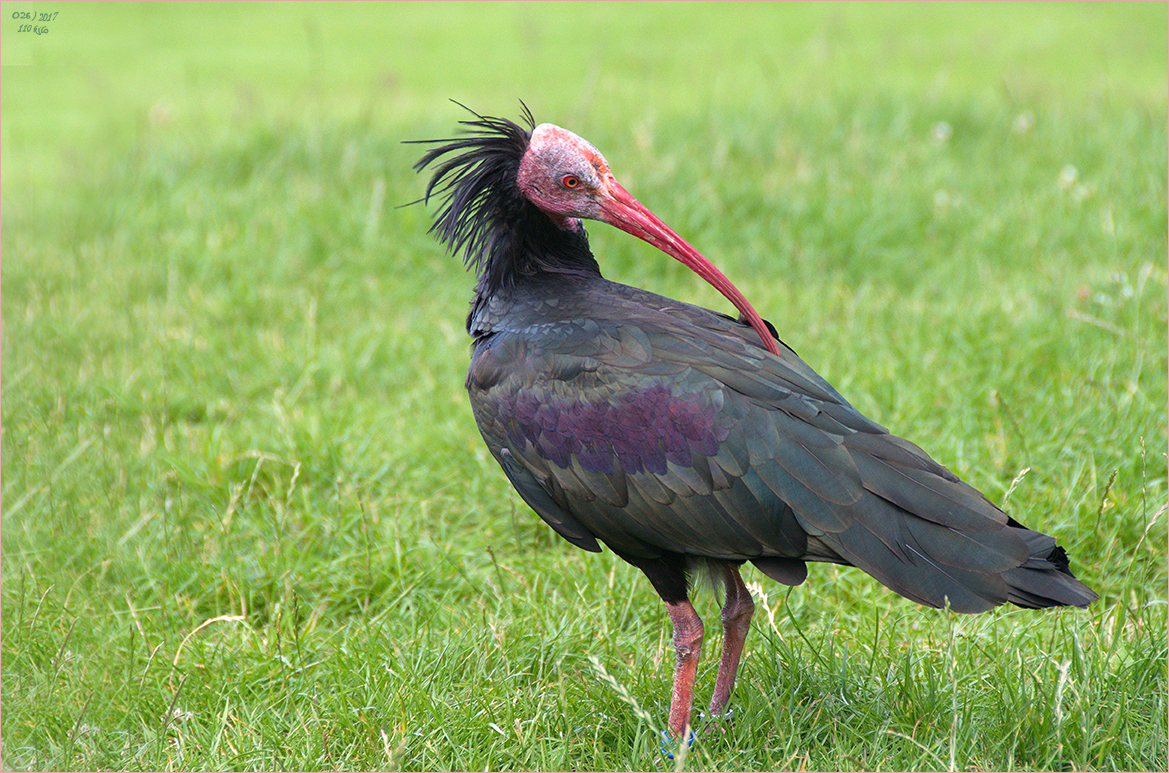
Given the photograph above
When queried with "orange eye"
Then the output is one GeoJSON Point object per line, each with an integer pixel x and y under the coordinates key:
{"type": "Point", "coordinates": [570, 181]}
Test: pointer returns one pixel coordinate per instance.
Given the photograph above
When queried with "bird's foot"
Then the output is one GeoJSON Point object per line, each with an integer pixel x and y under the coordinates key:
{"type": "Point", "coordinates": [721, 722]}
{"type": "Point", "coordinates": [668, 743]}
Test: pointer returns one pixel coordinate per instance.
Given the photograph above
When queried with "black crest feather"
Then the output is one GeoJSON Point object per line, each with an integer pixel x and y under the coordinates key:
{"type": "Point", "coordinates": [479, 184]}
{"type": "Point", "coordinates": [484, 215]}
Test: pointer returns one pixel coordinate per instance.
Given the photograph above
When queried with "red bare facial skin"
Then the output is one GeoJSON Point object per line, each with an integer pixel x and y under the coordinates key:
{"type": "Point", "coordinates": [554, 155]}
{"type": "Point", "coordinates": [569, 179]}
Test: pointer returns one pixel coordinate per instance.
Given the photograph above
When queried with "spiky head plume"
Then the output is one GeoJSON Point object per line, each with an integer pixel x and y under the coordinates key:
{"type": "Point", "coordinates": [484, 215]}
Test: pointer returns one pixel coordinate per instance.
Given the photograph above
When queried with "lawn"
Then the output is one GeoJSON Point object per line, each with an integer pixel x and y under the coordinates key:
{"type": "Point", "coordinates": [248, 522]}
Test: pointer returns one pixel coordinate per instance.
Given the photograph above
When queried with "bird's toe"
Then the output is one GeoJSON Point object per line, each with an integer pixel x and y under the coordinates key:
{"type": "Point", "coordinates": [669, 745]}
{"type": "Point", "coordinates": [720, 722]}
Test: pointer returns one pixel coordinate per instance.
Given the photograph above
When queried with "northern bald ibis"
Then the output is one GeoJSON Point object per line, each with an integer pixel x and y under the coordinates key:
{"type": "Point", "coordinates": [686, 440]}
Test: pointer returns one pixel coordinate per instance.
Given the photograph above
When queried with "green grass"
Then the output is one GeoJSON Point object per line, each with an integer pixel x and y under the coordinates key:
{"type": "Point", "coordinates": [248, 522]}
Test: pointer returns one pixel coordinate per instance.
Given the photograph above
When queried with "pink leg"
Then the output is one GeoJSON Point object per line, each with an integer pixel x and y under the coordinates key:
{"type": "Point", "coordinates": [688, 633]}
{"type": "Point", "coordinates": [736, 616]}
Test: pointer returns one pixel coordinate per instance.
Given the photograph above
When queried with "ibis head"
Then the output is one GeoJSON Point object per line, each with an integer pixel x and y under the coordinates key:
{"type": "Point", "coordinates": [569, 180]}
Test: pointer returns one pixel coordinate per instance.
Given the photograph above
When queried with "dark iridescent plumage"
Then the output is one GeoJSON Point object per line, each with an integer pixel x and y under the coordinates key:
{"type": "Point", "coordinates": [669, 433]}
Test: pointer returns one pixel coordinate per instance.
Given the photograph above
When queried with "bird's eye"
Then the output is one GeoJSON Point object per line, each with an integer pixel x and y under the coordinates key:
{"type": "Point", "coordinates": [570, 181]}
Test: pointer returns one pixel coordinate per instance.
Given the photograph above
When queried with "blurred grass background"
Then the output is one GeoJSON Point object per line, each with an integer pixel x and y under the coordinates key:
{"type": "Point", "coordinates": [247, 522]}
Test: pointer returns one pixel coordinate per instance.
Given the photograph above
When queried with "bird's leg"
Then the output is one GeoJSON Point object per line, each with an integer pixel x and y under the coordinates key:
{"type": "Point", "coordinates": [688, 633]}
{"type": "Point", "coordinates": [736, 617]}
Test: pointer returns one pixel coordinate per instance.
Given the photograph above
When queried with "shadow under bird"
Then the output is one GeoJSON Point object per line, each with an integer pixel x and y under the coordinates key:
{"type": "Point", "coordinates": [686, 440]}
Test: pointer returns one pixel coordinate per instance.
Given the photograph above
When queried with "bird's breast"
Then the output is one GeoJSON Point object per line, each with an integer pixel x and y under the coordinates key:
{"type": "Point", "coordinates": [572, 408]}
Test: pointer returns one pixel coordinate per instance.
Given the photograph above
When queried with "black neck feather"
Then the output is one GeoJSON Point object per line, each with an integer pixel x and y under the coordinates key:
{"type": "Point", "coordinates": [501, 234]}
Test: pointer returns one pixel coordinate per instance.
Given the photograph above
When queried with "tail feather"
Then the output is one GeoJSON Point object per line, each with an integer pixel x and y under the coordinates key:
{"type": "Point", "coordinates": [1045, 579]}
{"type": "Point", "coordinates": [935, 565]}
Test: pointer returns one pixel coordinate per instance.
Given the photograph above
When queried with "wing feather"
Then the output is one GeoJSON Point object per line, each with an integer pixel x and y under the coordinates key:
{"type": "Point", "coordinates": [668, 430]}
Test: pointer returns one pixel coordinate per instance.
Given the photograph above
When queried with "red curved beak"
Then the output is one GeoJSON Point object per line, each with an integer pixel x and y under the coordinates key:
{"type": "Point", "coordinates": [627, 213]}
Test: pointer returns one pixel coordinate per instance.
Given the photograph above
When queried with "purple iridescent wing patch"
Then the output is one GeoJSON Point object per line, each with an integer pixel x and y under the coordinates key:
{"type": "Point", "coordinates": [642, 428]}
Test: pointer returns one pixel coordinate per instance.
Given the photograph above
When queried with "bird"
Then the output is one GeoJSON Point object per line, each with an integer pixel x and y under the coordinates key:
{"type": "Point", "coordinates": [687, 440]}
